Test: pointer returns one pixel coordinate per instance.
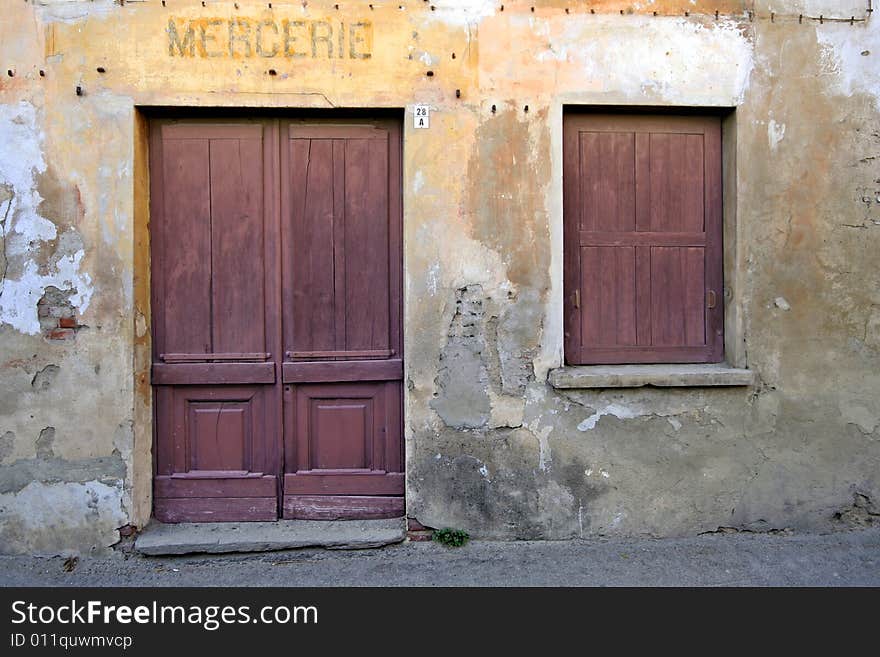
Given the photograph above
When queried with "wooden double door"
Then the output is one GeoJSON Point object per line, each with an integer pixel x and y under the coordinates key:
{"type": "Point", "coordinates": [276, 318]}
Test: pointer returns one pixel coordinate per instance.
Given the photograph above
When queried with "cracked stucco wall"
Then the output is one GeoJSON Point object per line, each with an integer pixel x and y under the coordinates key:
{"type": "Point", "coordinates": [491, 447]}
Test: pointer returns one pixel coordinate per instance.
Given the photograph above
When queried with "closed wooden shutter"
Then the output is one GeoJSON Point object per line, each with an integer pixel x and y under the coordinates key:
{"type": "Point", "coordinates": [643, 260]}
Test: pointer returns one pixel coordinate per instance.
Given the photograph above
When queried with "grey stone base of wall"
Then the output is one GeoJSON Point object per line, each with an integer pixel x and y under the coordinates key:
{"type": "Point", "coordinates": [216, 537]}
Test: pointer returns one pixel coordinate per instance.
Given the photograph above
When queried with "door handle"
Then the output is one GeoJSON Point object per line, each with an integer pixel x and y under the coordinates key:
{"type": "Point", "coordinates": [577, 299]}
{"type": "Point", "coordinates": [710, 299]}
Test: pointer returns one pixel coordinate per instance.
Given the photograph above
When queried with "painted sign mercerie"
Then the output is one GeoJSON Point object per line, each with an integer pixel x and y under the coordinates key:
{"type": "Point", "coordinates": [251, 37]}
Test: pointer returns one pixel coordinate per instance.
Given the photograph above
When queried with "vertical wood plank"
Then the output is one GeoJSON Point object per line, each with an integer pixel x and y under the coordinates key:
{"type": "Point", "coordinates": [310, 299]}
{"type": "Point", "coordinates": [376, 446]}
{"type": "Point", "coordinates": [624, 172]}
{"type": "Point", "coordinates": [157, 242]}
{"type": "Point", "coordinates": [659, 180]}
{"type": "Point", "coordinates": [694, 293]}
{"type": "Point", "coordinates": [643, 295]}
{"type": "Point", "coordinates": [179, 431]}
{"type": "Point", "coordinates": [604, 165]}
{"type": "Point", "coordinates": [675, 169]}
{"type": "Point", "coordinates": [692, 184]}
{"type": "Point", "coordinates": [714, 244]}
{"type": "Point", "coordinates": [237, 262]}
{"type": "Point", "coordinates": [164, 430]}
{"type": "Point", "coordinates": [606, 306]}
{"type": "Point", "coordinates": [589, 162]}
{"type": "Point", "coordinates": [667, 304]}
{"type": "Point", "coordinates": [625, 300]}
{"type": "Point", "coordinates": [591, 266]}
{"type": "Point", "coordinates": [186, 219]}
{"type": "Point", "coordinates": [392, 451]}
{"type": "Point", "coordinates": [273, 439]}
{"type": "Point", "coordinates": [572, 207]}
{"type": "Point", "coordinates": [339, 181]}
{"type": "Point", "coordinates": [395, 242]}
{"type": "Point", "coordinates": [303, 417]}
{"type": "Point", "coordinates": [643, 181]}
{"type": "Point", "coordinates": [366, 231]}
{"type": "Point", "coordinates": [291, 429]}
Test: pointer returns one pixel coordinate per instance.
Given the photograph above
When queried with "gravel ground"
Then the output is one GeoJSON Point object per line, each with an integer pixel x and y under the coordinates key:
{"type": "Point", "coordinates": [850, 558]}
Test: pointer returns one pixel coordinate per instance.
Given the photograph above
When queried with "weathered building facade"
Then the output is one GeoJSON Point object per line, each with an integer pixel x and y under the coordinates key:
{"type": "Point", "coordinates": [497, 434]}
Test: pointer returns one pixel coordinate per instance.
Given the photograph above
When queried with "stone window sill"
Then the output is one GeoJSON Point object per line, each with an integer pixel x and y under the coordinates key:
{"type": "Point", "coordinates": [661, 376]}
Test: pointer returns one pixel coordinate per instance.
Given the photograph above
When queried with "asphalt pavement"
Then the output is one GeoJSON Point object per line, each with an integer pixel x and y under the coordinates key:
{"type": "Point", "coordinates": [846, 558]}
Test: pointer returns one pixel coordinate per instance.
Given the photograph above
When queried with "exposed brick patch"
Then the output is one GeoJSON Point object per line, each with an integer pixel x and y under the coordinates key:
{"type": "Point", "coordinates": [414, 525]}
{"type": "Point", "coordinates": [61, 334]}
{"type": "Point", "coordinates": [127, 530]}
{"type": "Point", "coordinates": [417, 532]}
{"type": "Point", "coordinates": [57, 315]}
{"type": "Point", "coordinates": [127, 536]}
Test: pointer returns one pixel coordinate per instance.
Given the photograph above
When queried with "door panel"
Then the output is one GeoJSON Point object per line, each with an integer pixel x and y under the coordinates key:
{"type": "Point", "coordinates": [345, 428]}
{"type": "Point", "coordinates": [217, 448]}
{"type": "Point", "coordinates": [277, 352]}
{"type": "Point", "coordinates": [214, 330]}
{"type": "Point", "coordinates": [340, 229]}
{"type": "Point", "coordinates": [342, 507]}
{"type": "Point", "coordinates": [342, 371]}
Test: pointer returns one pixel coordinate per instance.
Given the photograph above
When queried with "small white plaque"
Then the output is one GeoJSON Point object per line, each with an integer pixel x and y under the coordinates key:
{"type": "Point", "coordinates": [421, 116]}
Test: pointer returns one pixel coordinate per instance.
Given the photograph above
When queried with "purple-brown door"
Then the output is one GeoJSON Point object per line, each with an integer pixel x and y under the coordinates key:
{"type": "Point", "coordinates": [277, 351]}
{"type": "Point", "coordinates": [341, 258]}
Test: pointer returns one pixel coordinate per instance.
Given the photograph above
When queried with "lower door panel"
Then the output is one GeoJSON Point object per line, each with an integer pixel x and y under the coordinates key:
{"type": "Point", "coordinates": [343, 451]}
{"type": "Point", "coordinates": [213, 468]}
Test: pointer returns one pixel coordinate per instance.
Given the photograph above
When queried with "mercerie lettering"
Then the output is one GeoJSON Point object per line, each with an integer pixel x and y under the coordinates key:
{"type": "Point", "coordinates": [245, 37]}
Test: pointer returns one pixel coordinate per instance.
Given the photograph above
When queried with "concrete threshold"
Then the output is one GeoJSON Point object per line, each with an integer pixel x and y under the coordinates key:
{"type": "Point", "coordinates": [218, 537]}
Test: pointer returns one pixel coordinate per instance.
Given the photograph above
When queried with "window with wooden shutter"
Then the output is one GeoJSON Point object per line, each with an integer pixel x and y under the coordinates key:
{"type": "Point", "coordinates": [642, 222]}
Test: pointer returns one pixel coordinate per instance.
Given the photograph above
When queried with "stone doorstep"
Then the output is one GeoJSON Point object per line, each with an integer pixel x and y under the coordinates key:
{"type": "Point", "coordinates": [219, 537]}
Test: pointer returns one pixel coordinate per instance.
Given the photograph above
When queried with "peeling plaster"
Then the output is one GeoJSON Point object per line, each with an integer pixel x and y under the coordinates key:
{"type": "Point", "coordinates": [74, 11]}
{"type": "Point", "coordinates": [545, 458]}
{"type": "Point", "coordinates": [842, 58]}
{"type": "Point", "coordinates": [775, 133]}
{"type": "Point", "coordinates": [461, 13]}
{"type": "Point", "coordinates": [418, 181]}
{"type": "Point", "coordinates": [860, 415]}
{"type": "Point", "coordinates": [58, 518]}
{"type": "Point", "coordinates": [781, 303]}
{"type": "Point", "coordinates": [26, 229]}
{"type": "Point", "coordinates": [665, 56]}
{"type": "Point", "coordinates": [616, 410]}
